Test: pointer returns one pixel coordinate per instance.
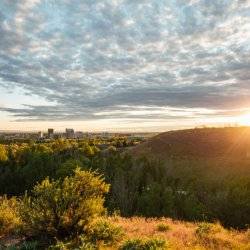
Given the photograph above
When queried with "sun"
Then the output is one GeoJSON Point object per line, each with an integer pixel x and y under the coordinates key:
{"type": "Point", "coordinates": [244, 119]}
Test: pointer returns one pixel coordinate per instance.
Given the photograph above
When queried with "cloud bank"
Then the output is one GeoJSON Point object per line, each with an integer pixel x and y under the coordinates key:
{"type": "Point", "coordinates": [111, 59]}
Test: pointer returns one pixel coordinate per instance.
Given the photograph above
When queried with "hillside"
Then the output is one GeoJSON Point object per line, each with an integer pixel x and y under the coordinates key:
{"type": "Point", "coordinates": [206, 142]}
{"type": "Point", "coordinates": [182, 235]}
{"type": "Point", "coordinates": [174, 234]}
{"type": "Point", "coordinates": [202, 177]}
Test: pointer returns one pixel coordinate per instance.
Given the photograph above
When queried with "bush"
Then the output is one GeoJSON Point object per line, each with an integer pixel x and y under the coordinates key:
{"type": "Point", "coordinates": [157, 244]}
{"type": "Point", "coordinates": [133, 244]}
{"type": "Point", "coordinates": [85, 244]}
{"type": "Point", "coordinates": [60, 245]}
{"type": "Point", "coordinates": [212, 236]}
{"type": "Point", "coordinates": [203, 229]}
{"type": "Point", "coordinates": [3, 154]}
{"type": "Point", "coordinates": [163, 227]}
{"type": "Point", "coordinates": [31, 245]}
{"type": "Point", "coordinates": [139, 244]}
{"type": "Point", "coordinates": [105, 231]}
{"type": "Point", "coordinates": [67, 168]}
{"type": "Point", "coordinates": [81, 243]}
{"type": "Point", "coordinates": [64, 208]}
{"type": "Point", "coordinates": [9, 219]}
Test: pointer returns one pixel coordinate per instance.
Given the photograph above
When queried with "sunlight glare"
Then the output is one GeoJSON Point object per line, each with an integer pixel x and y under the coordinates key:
{"type": "Point", "coordinates": [244, 119]}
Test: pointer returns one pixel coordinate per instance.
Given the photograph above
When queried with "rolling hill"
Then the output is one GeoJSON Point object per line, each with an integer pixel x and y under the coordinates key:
{"type": "Point", "coordinates": [227, 142]}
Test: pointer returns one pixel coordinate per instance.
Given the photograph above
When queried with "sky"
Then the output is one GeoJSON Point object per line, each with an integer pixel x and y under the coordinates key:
{"type": "Point", "coordinates": [124, 65]}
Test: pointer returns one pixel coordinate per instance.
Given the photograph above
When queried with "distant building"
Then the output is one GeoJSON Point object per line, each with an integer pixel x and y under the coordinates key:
{"type": "Point", "coordinates": [70, 133]}
{"type": "Point", "coordinates": [50, 133]}
{"type": "Point", "coordinates": [59, 136]}
{"type": "Point", "coordinates": [79, 135]}
{"type": "Point", "coordinates": [40, 135]}
{"type": "Point", "coordinates": [105, 134]}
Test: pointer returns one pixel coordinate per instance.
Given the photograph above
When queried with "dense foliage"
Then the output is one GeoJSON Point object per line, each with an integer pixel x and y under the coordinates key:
{"type": "Point", "coordinates": [9, 220]}
{"type": "Point", "coordinates": [64, 208]}
{"type": "Point", "coordinates": [139, 244]}
{"type": "Point", "coordinates": [190, 188]}
{"type": "Point", "coordinates": [179, 190]}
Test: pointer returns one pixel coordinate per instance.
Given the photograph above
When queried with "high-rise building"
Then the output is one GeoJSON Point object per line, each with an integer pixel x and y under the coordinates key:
{"type": "Point", "coordinates": [70, 133]}
{"type": "Point", "coordinates": [40, 135]}
{"type": "Point", "coordinates": [50, 133]}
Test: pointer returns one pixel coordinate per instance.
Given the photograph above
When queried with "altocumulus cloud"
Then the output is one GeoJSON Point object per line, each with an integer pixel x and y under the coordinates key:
{"type": "Point", "coordinates": [126, 58]}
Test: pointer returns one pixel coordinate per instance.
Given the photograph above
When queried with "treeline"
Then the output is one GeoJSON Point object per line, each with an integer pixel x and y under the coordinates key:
{"type": "Point", "coordinates": [186, 189]}
{"type": "Point", "coordinates": [181, 190]}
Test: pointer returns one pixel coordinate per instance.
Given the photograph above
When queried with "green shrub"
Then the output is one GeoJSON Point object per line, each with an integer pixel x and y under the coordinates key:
{"type": "Point", "coordinates": [29, 245]}
{"type": "Point", "coordinates": [82, 243]}
{"type": "Point", "coordinates": [133, 244]}
{"type": "Point", "coordinates": [61, 246]}
{"type": "Point", "coordinates": [156, 244]}
{"type": "Point", "coordinates": [203, 229]}
{"type": "Point", "coordinates": [3, 154]}
{"type": "Point", "coordinates": [9, 218]}
{"type": "Point", "coordinates": [85, 244]}
{"type": "Point", "coordinates": [139, 244]}
{"type": "Point", "coordinates": [105, 231]}
{"type": "Point", "coordinates": [67, 168]}
{"type": "Point", "coordinates": [10, 248]}
{"type": "Point", "coordinates": [32, 245]}
{"type": "Point", "coordinates": [64, 208]}
{"type": "Point", "coordinates": [162, 227]}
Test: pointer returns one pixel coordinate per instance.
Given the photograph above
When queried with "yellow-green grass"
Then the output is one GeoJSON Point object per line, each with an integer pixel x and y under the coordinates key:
{"type": "Point", "coordinates": [183, 235]}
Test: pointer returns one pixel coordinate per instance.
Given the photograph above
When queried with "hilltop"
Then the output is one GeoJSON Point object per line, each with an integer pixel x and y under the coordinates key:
{"type": "Point", "coordinates": [205, 142]}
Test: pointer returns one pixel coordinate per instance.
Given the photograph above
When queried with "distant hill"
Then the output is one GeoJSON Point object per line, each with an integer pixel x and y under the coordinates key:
{"type": "Point", "coordinates": [226, 142]}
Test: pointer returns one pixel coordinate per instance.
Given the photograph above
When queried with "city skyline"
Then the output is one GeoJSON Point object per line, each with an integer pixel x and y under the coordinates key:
{"type": "Point", "coordinates": [123, 65]}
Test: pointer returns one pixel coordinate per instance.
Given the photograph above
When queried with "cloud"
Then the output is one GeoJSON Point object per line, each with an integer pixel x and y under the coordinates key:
{"type": "Point", "coordinates": [108, 59]}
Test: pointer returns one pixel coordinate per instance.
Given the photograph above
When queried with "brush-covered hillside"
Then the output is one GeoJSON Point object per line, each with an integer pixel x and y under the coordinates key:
{"type": "Point", "coordinates": [179, 235]}
{"type": "Point", "coordinates": [55, 195]}
{"type": "Point", "coordinates": [207, 171]}
{"type": "Point", "coordinates": [206, 142]}
{"type": "Point", "coordinates": [138, 233]}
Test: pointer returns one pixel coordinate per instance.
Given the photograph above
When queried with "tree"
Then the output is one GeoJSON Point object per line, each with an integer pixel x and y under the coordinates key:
{"type": "Point", "coordinates": [3, 154]}
{"type": "Point", "coordinates": [64, 208]}
{"type": "Point", "coordinates": [68, 167]}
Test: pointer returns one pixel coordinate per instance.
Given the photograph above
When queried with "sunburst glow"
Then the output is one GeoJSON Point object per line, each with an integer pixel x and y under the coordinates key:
{"type": "Point", "coordinates": [244, 119]}
{"type": "Point", "coordinates": [124, 65]}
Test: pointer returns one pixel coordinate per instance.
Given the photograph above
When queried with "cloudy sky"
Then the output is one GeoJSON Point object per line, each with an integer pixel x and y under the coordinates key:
{"type": "Point", "coordinates": [144, 65]}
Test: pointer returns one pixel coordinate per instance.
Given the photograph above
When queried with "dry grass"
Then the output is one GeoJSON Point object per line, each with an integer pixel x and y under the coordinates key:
{"type": "Point", "coordinates": [180, 235]}
{"type": "Point", "coordinates": [183, 235]}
